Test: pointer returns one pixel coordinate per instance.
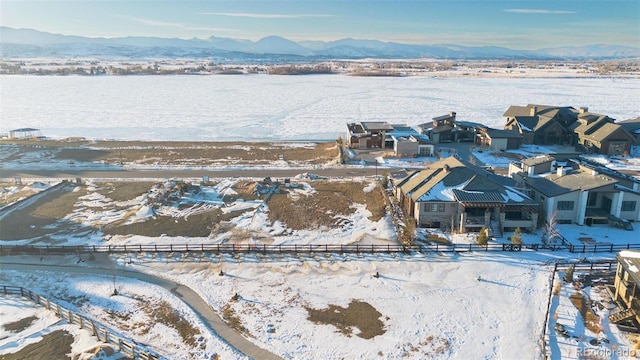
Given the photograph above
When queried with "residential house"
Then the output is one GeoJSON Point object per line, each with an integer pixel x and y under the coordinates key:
{"type": "Point", "coordinates": [540, 124]}
{"type": "Point", "coordinates": [499, 139]}
{"type": "Point", "coordinates": [632, 126]}
{"type": "Point", "coordinates": [584, 194]}
{"type": "Point", "coordinates": [533, 166]}
{"type": "Point", "coordinates": [555, 125]}
{"type": "Point", "coordinates": [454, 194]}
{"type": "Point", "coordinates": [446, 129]}
{"type": "Point", "coordinates": [412, 145]}
{"type": "Point", "coordinates": [599, 133]}
{"type": "Point", "coordinates": [627, 291]}
{"type": "Point", "coordinates": [367, 134]}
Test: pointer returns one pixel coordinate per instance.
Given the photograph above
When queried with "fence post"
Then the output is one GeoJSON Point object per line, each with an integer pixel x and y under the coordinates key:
{"type": "Point", "coordinates": [93, 329]}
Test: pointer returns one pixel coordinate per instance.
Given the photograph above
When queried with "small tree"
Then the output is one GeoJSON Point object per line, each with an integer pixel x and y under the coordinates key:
{"type": "Point", "coordinates": [516, 238]}
{"type": "Point", "coordinates": [550, 230]}
{"type": "Point", "coordinates": [408, 231]}
{"type": "Point", "coordinates": [483, 237]}
{"type": "Point", "coordinates": [568, 275]}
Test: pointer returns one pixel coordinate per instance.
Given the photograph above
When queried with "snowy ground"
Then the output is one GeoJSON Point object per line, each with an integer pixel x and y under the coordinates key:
{"type": "Point", "coordinates": [263, 107]}
{"type": "Point", "coordinates": [431, 306]}
{"type": "Point", "coordinates": [570, 336]}
{"type": "Point", "coordinates": [44, 322]}
{"type": "Point", "coordinates": [131, 313]}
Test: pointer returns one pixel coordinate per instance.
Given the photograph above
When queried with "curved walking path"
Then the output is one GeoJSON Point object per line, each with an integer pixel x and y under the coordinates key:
{"type": "Point", "coordinates": [186, 294]}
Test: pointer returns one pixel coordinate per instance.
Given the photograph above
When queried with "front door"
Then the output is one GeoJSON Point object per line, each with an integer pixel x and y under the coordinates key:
{"type": "Point", "coordinates": [606, 204]}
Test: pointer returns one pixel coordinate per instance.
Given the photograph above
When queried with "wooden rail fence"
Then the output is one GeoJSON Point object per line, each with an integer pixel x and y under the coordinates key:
{"type": "Point", "coordinates": [128, 347]}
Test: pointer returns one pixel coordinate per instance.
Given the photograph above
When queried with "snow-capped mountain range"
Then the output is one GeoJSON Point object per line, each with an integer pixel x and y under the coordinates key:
{"type": "Point", "coordinates": [25, 43]}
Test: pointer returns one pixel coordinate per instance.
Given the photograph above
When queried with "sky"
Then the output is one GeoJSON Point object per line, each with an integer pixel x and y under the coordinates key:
{"type": "Point", "coordinates": [518, 24]}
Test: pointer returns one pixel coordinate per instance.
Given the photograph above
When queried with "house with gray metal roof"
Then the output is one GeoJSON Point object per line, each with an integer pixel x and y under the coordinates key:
{"type": "Point", "coordinates": [583, 195]}
{"type": "Point", "coordinates": [456, 195]}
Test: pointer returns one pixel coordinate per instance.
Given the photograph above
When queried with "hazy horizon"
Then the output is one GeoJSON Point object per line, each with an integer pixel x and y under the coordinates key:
{"type": "Point", "coordinates": [525, 25]}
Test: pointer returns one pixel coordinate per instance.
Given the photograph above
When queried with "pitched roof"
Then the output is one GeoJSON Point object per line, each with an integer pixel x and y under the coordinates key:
{"type": "Point", "coordinates": [554, 185]}
{"type": "Point", "coordinates": [631, 125]}
{"type": "Point", "coordinates": [590, 123]}
{"type": "Point", "coordinates": [605, 131]}
{"type": "Point", "coordinates": [478, 196]}
{"type": "Point", "coordinates": [533, 123]}
{"type": "Point", "coordinates": [515, 110]}
{"type": "Point", "coordinates": [442, 180]}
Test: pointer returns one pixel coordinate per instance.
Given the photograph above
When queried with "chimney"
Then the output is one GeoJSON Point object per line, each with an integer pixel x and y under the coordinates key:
{"type": "Point", "coordinates": [452, 114]}
{"type": "Point", "coordinates": [533, 111]}
{"type": "Point", "coordinates": [594, 173]}
{"type": "Point", "coordinates": [583, 109]}
{"type": "Point", "coordinates": [560, 171]}
{"type": "Point", "coordinates": [446, 167]}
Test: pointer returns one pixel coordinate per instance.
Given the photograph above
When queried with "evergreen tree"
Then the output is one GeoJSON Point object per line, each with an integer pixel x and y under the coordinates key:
{"type": "Point", "coordinates": [516, 238]}
{"type": "Point", "coordinates": [483, 237]}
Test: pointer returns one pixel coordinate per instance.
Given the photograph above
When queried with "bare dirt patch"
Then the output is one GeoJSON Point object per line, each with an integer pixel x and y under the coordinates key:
{"type": "Point", "coordinates": [55, 345]}
{"type": "Point", "coordinates": [8, 196]}
{"type": "Point", "coordinates": [229, 316]}
{"type": "Point", "coordinates": [196, 225]}
{"type": "Point", "coordinates": [44, 217]}
{"type": "Point", "coordinates": [358, 314]}
{"type": "Point", "coordinates": [18, 326]}
{"type": "Point", "coordinates": [164, 153]}
{"type": "Point", "coordinates": [590, 319]}
{"type": "Point", "coordinates": [331, 200]}
{"type": "Point", "coordinates": [123, 191]}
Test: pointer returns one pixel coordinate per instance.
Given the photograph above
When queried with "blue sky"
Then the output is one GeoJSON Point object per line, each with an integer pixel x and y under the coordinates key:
{"type": "Point", "coordinates": [518, 24]}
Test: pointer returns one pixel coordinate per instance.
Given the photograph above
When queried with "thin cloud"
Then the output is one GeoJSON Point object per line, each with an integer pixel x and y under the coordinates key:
{"type": "Point", "coordinates": [266, 16]}
{"type": "Point", "coordinates": [176, 25]}
{"type": "Point", "coordinates": [538, 11]}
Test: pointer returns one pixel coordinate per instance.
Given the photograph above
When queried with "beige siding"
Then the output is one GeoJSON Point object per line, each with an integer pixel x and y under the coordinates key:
{"type": "Point", "coordinates": [567, 214]}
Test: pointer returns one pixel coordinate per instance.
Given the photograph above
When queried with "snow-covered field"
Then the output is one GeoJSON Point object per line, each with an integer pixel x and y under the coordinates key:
{"type": "Point", "coordinates": [431, 306]}
{"type": "Point", "coordinates": [268, 107]}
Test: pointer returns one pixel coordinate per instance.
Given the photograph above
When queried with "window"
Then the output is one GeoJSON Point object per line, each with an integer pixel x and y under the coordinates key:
{"type": "Point", "coordinates": [434, 207]}
{"type": "Point", "coordinates": [592, 199]}
{"type": "Point", "coordinates": [565, 205]}
{"type": "Point", "coordinates": [628, 206]}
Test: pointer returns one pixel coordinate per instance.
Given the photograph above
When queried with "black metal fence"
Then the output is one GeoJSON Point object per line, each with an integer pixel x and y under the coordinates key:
{"type": "Point", "coordinates": [306, 248]}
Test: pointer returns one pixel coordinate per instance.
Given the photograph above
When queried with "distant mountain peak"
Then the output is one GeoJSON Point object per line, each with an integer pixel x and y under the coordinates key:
{"type": "Point", "coordinates": [34, 43]}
